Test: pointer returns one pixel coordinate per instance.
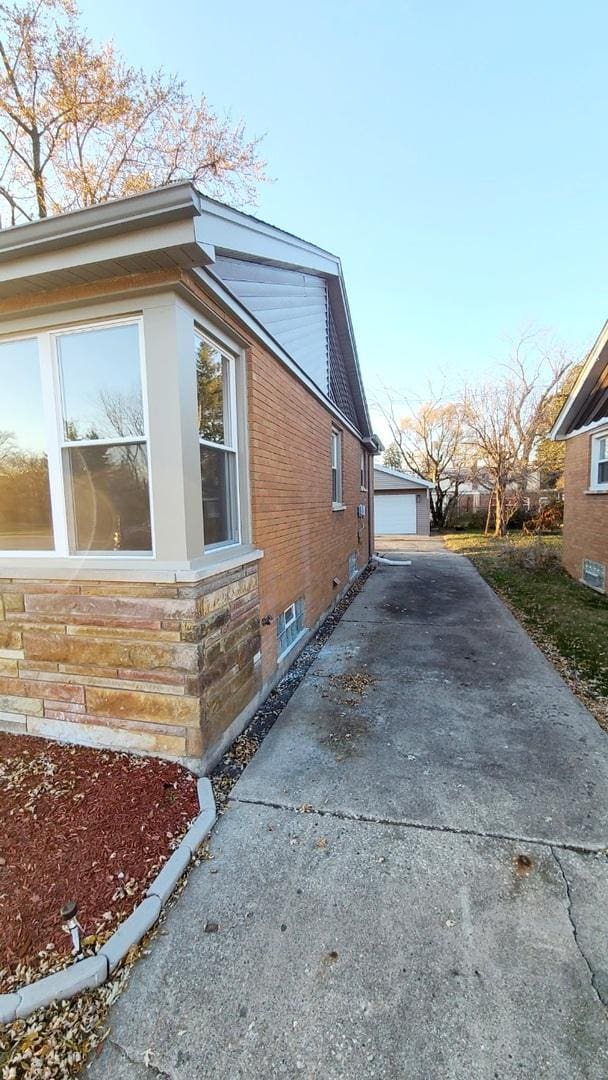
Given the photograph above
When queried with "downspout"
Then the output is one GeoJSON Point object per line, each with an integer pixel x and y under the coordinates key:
{"type": "Point", "coordinates": [370, 502]}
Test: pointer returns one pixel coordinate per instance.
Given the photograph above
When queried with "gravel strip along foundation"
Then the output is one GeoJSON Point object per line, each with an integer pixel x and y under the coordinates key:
{"type": "Point", "coordinates": [55, 1041]}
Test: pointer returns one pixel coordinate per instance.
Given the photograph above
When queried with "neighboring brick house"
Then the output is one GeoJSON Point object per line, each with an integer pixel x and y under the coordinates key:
{"type": "Point", "coordinates": [185, 469]}
{"type": "Point", "coordinates": [583, 425]}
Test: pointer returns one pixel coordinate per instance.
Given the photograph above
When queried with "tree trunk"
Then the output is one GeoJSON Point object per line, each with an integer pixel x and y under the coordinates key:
{"type": "Point", "coordinates": [486, 531]}
{"type": "Point", "coordinates": [37, 174]}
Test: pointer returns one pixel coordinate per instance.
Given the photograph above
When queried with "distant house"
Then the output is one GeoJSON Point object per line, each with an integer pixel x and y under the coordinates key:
{"type": "Point", "coordinates": [186, 468]}
{"type": "Point", "coordinates": [401, 503]}
{"type": "Point", "coordinates": [583, 425]}
{"type": "Point", "coordinates": [475, 492]}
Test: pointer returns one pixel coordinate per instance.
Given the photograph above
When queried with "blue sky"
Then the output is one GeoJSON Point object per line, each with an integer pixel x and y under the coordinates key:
{"type": "Point", "coordinates": [453, 154]}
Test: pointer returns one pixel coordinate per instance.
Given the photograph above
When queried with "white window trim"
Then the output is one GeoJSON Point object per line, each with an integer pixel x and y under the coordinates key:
{"type": "Point", "coordinates": [594, 485]}
{"type": "Point", "coordinates": [168, 322]}
{"type": "Point", "coordinates": [233, 446]}
{"type": "Point", "coordinates": [52, 405]}
{"type": "Point", "coordinates": [363, 470]}
{"type": "Point", "coordinates": [336, 440]}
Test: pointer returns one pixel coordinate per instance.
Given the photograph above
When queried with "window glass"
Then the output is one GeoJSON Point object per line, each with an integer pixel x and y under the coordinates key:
{"type": "Point", "coordinates": [217, 437]}
{"type": "Point", "coordinates": [106, 484]}
{"type": "Point", "coordinates": [25, 503]}
{"type": "Point", "coordinates": [212, 389]}
{"type": "Point", "coordinates": [290, 624]}
{"type": "Point", "coordinates": [101, 383]}
{"type": "Point", "coordinates": [336, 468]}
{"type": "Point", "coordinates": [217, 481]}
{"type": "Point", "coordinates": [109, 496]}
{"type": "Point", "coordinates": [602, 461]}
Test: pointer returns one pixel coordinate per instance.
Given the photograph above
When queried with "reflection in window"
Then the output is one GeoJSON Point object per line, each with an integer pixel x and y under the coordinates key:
{"type": "Point", "coordinates": [217, 437]}
{"type": "Point", "coordinates": [211, 376]}
{"type": "Point", "coordinates": [110, 499]}
{"type": "Point", "coordinates": [105, 456]}
{"type": "Point", "coordinates": [101, 383]}
{"type": "Point", "coordinates": [25, 503]}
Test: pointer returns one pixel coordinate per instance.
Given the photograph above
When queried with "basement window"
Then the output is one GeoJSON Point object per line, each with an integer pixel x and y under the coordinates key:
{"type": "Point", "coordinates": [594, 574]}
{"type": "Point", "coordinates": [290, 626]}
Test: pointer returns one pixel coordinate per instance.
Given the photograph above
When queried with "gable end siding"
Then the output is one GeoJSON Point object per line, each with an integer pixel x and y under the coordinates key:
{"type": "Point", "coordinates": [290, 304]}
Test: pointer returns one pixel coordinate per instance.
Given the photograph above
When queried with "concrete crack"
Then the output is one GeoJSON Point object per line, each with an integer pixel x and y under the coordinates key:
{"type": "Point", "coordinates": [343, 815]}
{"type": "Point", "coordinates": [144, 1064]}
{"type": "Point", "coordinates": [569, 908]}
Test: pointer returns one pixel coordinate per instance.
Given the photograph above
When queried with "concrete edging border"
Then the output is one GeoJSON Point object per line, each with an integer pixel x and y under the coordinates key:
{"type": "Point", "coordinates": [94, 970]}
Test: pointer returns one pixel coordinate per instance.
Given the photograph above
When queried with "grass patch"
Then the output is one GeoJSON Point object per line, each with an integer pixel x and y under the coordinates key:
{"type": "Point", "coordinates": [567, 620]}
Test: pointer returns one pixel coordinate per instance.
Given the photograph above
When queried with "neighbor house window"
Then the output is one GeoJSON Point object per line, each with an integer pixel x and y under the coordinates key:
{"type": "Point", "coordinates": [217, 429]}
{"type": "Point", "coordinates": [599, 462]}
{"type": "Point", "coordinates": [290, 624]}
{"type": "Point", "coordinates": [336, 468]}
{"type": "Point", "coordinates": [73, 445]}
{"type": "Point", "coordinates": [104, 448]}
{"type": "Point", "coordinates": [25, 499]}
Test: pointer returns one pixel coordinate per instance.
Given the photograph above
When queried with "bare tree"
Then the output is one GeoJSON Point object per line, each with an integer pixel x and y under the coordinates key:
{"type": "Point", "coordinates": [429, 442]}
{"type": "Point", "coordinates": [506, 417]}
{"type": "Point", "coordinates": [79, 126]}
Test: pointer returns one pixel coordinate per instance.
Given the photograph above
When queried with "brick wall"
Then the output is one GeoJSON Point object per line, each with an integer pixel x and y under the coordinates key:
{"type": "Point", "coordinates": [585, 516]}
{"type": "Point", "coordinates": [306, 543]}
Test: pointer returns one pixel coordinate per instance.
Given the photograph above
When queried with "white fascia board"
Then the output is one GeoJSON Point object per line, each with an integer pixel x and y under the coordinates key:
{"type": "Point", "coordinates": [233, 304]}
{"type": "Point", "coordinates": [173, 236]}
{"type": "Point", "coordinates": [119, 216]}
{"type": "Point", "coordinates": [584, 382]}
{"type": "Point", "coordinates": [238, 235]}
{"type": "Point", "coordinates": [597, 425]}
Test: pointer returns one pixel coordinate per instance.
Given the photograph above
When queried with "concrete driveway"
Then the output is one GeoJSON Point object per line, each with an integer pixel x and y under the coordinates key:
{"type": "Point", "coordinates": [410, 883]}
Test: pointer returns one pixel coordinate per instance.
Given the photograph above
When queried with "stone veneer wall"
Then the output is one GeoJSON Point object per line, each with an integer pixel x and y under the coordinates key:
{"type": "Point", "coordinates": [161, 668]}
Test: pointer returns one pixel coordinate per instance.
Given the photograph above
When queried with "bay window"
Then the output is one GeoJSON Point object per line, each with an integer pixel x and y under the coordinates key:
{"type": "Point", "coordinates": [120, 437]}
{"type": "Point", "coordinates": [73, 437]}
{"type": "Point", "coordinates": [25, 498]}
{"type": "Point", "coordinates": [217, 430]}
{"type": "Point", "coordinates": [104, 450]}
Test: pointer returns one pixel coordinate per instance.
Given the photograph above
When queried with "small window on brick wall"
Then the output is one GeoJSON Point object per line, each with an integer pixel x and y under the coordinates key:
{"type": "Point", "coordinates": [290, 624]}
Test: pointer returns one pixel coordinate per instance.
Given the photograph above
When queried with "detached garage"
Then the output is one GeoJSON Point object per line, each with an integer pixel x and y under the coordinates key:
{"type": "Point", "coordinates": [401, 503]}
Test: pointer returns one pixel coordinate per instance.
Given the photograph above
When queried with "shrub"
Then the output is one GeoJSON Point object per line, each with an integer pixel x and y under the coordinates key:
{"type": "Point", "coordinates": [535, 556]}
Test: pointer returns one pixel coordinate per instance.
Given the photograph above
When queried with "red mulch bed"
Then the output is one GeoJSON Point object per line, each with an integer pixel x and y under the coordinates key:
{"type": "Point", "coordinates": [78, 824]}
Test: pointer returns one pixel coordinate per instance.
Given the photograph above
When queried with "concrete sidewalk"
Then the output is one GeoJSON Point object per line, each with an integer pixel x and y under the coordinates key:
{"type": "Point", "coordinates": [410, 882]}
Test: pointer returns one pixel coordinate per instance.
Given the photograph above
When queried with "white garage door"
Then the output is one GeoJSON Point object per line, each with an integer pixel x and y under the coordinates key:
{"type": "Point", "coordinates": [395, 514]}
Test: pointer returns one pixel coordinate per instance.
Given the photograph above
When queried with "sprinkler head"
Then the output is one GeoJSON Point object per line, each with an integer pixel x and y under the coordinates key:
{"type": "Point", "coordinates": [68, 910]}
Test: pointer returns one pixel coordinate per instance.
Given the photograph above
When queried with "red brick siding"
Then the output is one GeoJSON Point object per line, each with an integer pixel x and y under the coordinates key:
{"type": "Point", "coordinates": [306, 543]}
{"type": "Point", "coordinates": [585, 516]}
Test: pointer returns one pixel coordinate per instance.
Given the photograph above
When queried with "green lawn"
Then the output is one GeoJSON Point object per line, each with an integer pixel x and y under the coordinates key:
{"type": "Point", "coordinates": [568, 620]}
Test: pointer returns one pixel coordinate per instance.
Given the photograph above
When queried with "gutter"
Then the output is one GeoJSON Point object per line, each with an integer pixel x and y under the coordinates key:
{"type": "Point", "coordinates": [158, 206]}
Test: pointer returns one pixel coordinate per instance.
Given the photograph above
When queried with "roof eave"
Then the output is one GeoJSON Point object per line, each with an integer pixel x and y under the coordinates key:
{"type": "Point", "coordinates": [589, 372]}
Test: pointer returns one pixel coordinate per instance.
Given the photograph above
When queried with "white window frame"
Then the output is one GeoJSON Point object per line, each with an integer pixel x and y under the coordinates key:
{"type": "Point", "coordinates": [52, 404]}
{"type": "Point", "coordinates": [596, 460]}
{"type": "Point", "coordinates": [232, 447]}
{"type": "Point", "coordinates": [336, 466]}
